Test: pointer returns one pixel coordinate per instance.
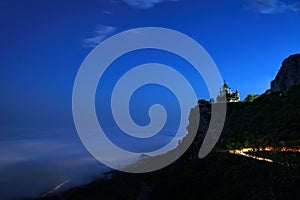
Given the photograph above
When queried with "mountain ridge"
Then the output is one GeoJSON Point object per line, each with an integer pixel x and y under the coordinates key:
{"type": "Point", "coordinates": [270, 120]}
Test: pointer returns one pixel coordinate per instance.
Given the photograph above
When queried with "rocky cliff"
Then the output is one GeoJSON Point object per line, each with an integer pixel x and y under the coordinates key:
{"type": "Point", "coordinates": [288, 75]}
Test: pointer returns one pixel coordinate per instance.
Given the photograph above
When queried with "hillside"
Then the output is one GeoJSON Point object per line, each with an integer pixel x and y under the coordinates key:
{"type": "Point", "coordinates": [270, 120]}
{"type": "Point", "coordinates": [218, 176]}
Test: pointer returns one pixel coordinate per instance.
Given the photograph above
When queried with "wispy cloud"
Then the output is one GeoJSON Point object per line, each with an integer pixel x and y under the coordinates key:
{"type": "Point", "coordinates": [101, 33]}
{"type": "Point", "coordinates": [272, 6]}
{"type": "Point", "coordinates": [145, 4]}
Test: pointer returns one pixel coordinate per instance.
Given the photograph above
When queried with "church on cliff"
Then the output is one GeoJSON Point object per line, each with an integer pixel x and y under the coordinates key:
{"type": "Point", "coordinates": [230, 96]}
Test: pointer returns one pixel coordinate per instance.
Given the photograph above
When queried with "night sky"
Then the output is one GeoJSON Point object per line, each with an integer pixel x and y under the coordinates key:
{"type": "Point", "coordinates": [44, 42]}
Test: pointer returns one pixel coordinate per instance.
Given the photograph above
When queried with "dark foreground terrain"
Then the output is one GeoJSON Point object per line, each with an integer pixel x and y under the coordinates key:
{"type": "Point", "coordinates": [218, 176]}
{"type": "Point", "coordinates": [270, 121]}
{"type": "Point", "coordinates": [221, 175]}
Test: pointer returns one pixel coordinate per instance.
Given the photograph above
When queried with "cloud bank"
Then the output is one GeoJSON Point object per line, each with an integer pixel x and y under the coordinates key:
{"type": "Point", "coordinates": [35, 161]}
{"type": "Point", "coordinates": [272, 6]}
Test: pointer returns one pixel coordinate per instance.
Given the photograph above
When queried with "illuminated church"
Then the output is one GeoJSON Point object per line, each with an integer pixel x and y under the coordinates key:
{"type": "Point", "coordinates": [230, 96]}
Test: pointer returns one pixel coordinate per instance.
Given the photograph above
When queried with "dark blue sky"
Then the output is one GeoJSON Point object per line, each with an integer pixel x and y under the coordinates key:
{"type": "Point", "coordinates": [43, 43]}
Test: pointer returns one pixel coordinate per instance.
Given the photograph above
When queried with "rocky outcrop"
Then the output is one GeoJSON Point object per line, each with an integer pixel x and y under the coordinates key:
{"type": "Point", "coordinates": [288, 75]}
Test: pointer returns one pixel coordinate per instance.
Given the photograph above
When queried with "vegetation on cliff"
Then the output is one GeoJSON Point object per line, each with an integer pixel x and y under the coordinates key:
{"type": "Point", "coordinates": [270, 120]}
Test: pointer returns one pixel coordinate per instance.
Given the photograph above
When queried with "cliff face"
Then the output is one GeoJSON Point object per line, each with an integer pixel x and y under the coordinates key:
{"type": "Point", "coordinates": [288, 75]}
